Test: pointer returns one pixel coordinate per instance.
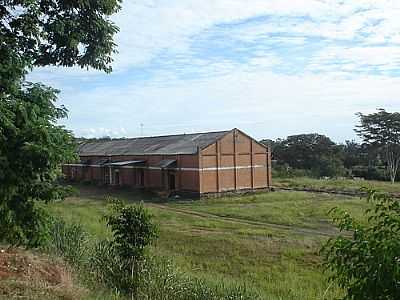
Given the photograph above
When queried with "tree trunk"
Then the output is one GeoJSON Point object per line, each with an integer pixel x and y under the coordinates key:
{"type": "Point", "coordinates": [393, 161]}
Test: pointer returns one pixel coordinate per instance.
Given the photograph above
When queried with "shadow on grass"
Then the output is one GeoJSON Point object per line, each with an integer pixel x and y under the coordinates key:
{"type": "Point", "coordinates": [128, 194]}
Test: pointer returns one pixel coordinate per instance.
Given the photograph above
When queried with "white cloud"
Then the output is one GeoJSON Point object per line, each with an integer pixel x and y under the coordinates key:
{"type": "Point", "coordinates": [149, 28]}
{"type": "Point", "coordinates": [357, 59]}
{"type": "Point", "coordinates": [263, 103]}
{"type": "Point", "coordinates": [192, 89]}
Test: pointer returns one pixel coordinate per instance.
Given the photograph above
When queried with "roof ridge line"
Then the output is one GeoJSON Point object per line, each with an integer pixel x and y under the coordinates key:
{"type": "Point", "coordinates": [153, 136]}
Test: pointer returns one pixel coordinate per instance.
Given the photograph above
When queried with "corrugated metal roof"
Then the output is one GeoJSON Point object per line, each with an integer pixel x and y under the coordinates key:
{"type": "Point", "coordinates": [168, 145]}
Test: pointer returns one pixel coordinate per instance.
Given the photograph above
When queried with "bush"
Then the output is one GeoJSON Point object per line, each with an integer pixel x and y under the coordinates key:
{"type": "Point", "coordinates": [367, 264]}
{"type": "Point", "coordinates": [160, 279]}
{"type": "Point", "coordinates": [122, 264]}
{"type": "Point", "coordinates": [104, 265]}
{"type": "Point", "coordinates": [24, 224]}
{"type": "Point", "coordinates": [329, 166]}
{"type": "Point", "coordinates": [118, 263]}
{"type": "Point", "coordinates": [284, 171]}
{"type": "Point", "coordinates": [69, 242]}
{"type": "Point", "coordinates": [132, 228]}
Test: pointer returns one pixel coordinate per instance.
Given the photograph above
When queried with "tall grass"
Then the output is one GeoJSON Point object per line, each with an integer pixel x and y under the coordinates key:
{"type": "Point", "coordinates": [99, 268]}
{"type": "Point", "coordinates": [162, 280]}
{"type": "Point", "coordinates": [68, 241]}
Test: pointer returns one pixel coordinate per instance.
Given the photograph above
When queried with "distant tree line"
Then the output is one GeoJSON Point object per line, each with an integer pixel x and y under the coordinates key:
{"type": "Point", "coordinates": [317, 155]}
{"type": "Point", "coordinates": [376, 157]}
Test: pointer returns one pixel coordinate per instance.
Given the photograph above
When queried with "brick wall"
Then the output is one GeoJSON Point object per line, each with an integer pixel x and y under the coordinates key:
{"type": "Point", "coordinates": [186, 175]}
{"type": "Point", "coordinates": [235, 162]}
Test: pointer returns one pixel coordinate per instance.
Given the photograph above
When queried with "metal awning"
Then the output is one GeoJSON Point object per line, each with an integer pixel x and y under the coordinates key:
{"type": "Point", "coordinates": [167, 163]}
{"type": "Point", "coordinates": [102, 161]}
{"type": "Point", "coordinates": [91, 162]}
{"type": "Point", "coordinates": [124, 163]}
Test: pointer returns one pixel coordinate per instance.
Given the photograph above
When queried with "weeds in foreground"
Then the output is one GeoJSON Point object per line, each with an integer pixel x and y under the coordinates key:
{"type": "Point", "coordinates": [104, 264]}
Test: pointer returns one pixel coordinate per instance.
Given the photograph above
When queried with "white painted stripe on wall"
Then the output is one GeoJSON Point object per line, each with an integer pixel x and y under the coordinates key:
{"type": "Point", "coordinates": [175, 169]}
{"type": "Point", "coordinates": [232, 168]}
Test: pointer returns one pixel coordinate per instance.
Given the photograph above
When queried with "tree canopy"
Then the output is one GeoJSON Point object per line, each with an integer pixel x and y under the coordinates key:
{"type": "Point", "coordinates": [314, 152]}
{"type": "Point", "coordinates": [46, 32]}
{"type": "Point", "coordinates": [381, 130]}
{"type": "Point", "coordinates": [32, 144]}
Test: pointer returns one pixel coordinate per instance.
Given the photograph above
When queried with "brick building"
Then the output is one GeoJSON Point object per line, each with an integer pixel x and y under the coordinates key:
{"type": "Point", "coordinates": [194, 164]}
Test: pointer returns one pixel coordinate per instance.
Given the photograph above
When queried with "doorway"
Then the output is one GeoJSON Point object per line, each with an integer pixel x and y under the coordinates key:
{"type": "Point", "coordinates": [116, 177]}
{"type": "Point", "coordinates": [139, 177]}
{"type": "Point", "coordinates": [171, 182]}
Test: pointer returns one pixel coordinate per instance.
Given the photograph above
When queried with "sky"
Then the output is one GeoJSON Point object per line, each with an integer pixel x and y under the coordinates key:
{"type": "Point", "coordinates": [271, 68]}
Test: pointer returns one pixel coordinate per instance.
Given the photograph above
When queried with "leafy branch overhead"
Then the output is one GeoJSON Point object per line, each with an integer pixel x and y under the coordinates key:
{"type": "Point", "coordinates": [32, 144]}
{"type": "Point", "coordinates": [65, 33]}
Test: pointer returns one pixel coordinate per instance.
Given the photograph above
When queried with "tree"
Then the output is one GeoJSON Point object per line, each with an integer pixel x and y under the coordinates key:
{"type": "Point", "coordinates": [313, 152]}
{"type": "Point", "coordinates": [367, 263]}
{"type": "Point", "coordinates": [381, 130]}
{"type": "Point", "coordinates": [32, 145]}
{"type": "Point", "coordinates": [354, 154]}
{"type": "Point", "coordinates": [133, 232]}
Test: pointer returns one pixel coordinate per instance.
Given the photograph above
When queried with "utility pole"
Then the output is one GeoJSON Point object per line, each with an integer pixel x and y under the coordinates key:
{"type": "Point", "coordinates": [141, 129]}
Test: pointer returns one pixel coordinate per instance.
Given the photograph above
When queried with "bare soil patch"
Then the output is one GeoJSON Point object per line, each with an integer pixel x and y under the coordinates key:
{"type": "Point", "coordinates": [25, 275]}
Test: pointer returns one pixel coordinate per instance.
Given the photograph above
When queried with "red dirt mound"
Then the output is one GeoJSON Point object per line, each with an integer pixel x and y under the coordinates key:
{"type": "Point", "coordinates": [25, 274]}
{"type": "Point", "coordinates": [17, 264]}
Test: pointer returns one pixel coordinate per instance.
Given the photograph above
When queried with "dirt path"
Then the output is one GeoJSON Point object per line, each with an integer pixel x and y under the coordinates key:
{"type": "Point", "coordinates": [327, 191]}
{"type": "Point", "coordinates": [327, 232]}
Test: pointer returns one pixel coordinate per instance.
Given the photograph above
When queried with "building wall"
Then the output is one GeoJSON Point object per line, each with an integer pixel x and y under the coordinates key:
{"type": "Point", "coordinates": [186, 173]}
{"type": "Point", "coordinates": [235, 162]}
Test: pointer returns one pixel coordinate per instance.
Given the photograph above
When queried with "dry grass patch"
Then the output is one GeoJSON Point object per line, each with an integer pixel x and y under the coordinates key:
{"type": "Point", "coordinates": [26, 275]}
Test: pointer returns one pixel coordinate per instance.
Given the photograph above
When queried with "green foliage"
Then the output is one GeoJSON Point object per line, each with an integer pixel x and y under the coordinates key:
{"type": "Point", "coordinates": [32, 145]}
{"type": "Point", "coordinates": [381, 130]}
{"type": "Point", "coordinates": [367, 264]}
{"type": "Point", "coordinates": [101, 267]}
{"type": "Point", "coordinates": [285, 171]}
{"type": "Point", "coordinates": [355, 154]}
{"type": "Point", "coordinates": [119, 262]}
{"type": "Point", "coordinates": [31, 149]}
{"type": "Point", "coordinates": [313, 152]}
{"type": "Point", "coordinates": [105, 266]}
{"type": "Point", "coordinates": [68, 241]}
{"type": "Point", "coordinates": [279, 263]}
{"type": "Point", "coordinates": [161, 279]}
{"type": "Point", "coordinates": [23, 223]}
{"type": "Point", "coordinates": [158, 279]}
{"type": "Point", "coordinates": [329, 166]}
{"type": "Point", "coordinates": [132, 229]}
{"type": "Point", "coordinates": [315, 155]}
{"type": "Point", "coordinates": [66, 33]}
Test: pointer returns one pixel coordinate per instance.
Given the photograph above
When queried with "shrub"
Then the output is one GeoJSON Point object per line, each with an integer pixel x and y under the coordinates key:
{"type": "Point", "coordinates": [123, 266]}
{"type": "Point", "coordinates": [367, 264]}
{"type": "Point", "coordinates": [104, 265]}
{"type": "Point", "coordinates": [68, 241]}
{"type": "Point", "coordinates": [285, 171]}
{"type": "Point", "coordinates": [24, 223]}
{"type": "Point", "coordinates": [132, 228]}
{"type": "Point", "coordinates": [329, 166]}
{"type": "Point", "coordinates": [160, 279]}
{"type": "Point", "coordinates": [119, 262]}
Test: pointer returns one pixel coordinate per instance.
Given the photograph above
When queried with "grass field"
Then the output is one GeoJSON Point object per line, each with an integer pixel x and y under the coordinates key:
{"type": "Point", "coordinates": [268, 241]}
{"type": "Point", "coordinates": [336, 184]}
